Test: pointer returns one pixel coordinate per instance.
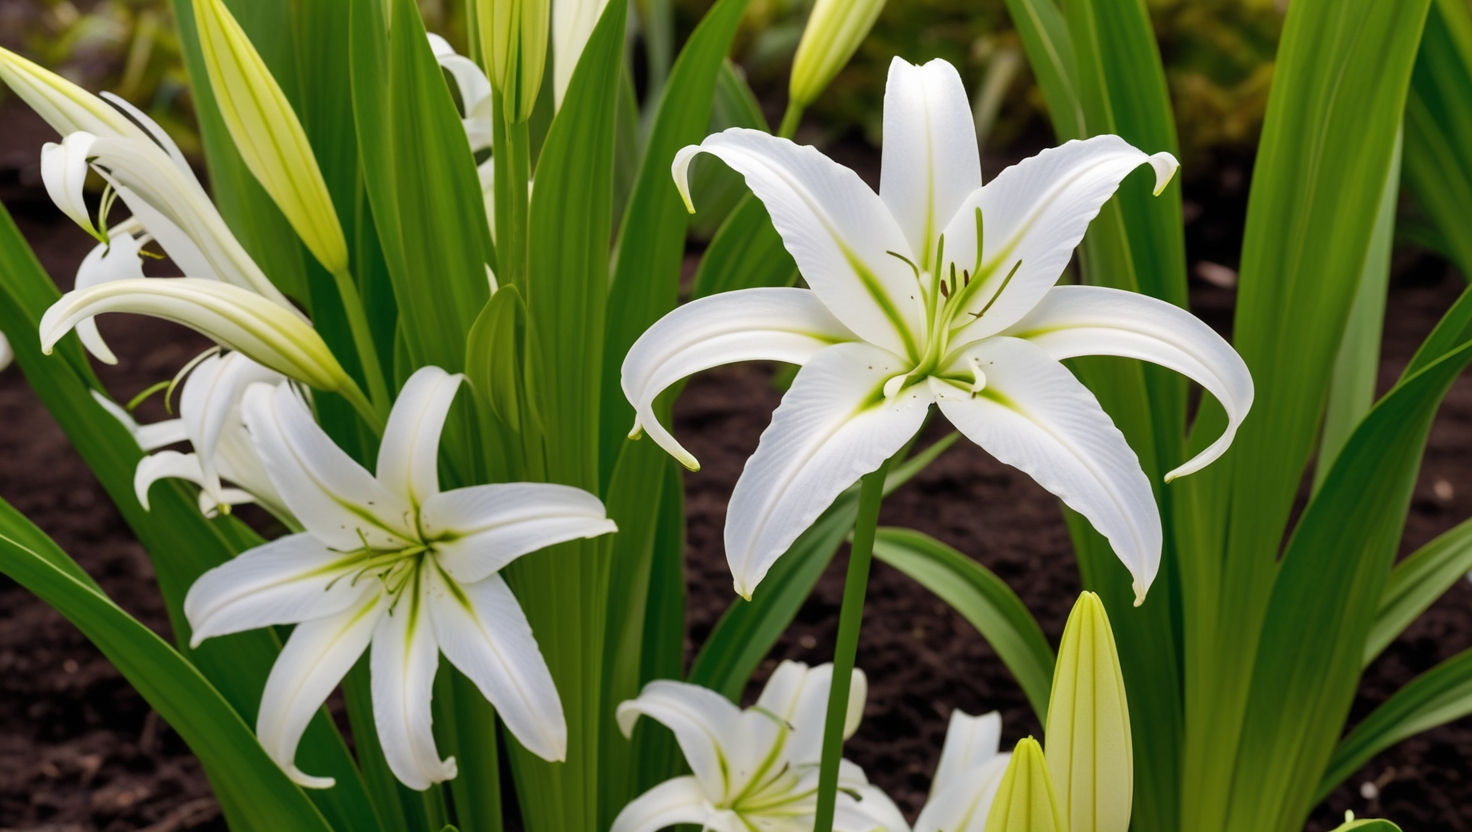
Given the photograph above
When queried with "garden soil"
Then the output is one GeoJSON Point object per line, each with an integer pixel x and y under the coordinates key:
{"type": "Point", "coordinates": [81, 751]}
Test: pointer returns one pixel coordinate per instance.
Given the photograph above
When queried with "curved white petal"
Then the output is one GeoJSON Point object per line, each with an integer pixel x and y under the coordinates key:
{"type": "Point", "coordinates": [209, 404]}
{"type": "Point", "coordinates": [147, 178]}
{"type": "Point", "coordinates": [7, 354]}
{"type": "Point", "coordinates": [149, 437]}
{"type": "Point", "coordinates": [482, 630]}
{"type": "Point", "coordinates": [65, 106]}
{"type": "Point", "coordinates": [771, 324]}
{"type": "Point", "coordinates": [1035, 416]}
{"type": "Point", "coordinates": [798, 695]}
{"type": "Point", "coordinates": [476, 531]}
{"type": "Point", "coordinates": [1036, 212]}
{"type": "Point", "coordinates": [165, 465]}
{"type": "Point", "coordinates": [931, 158]}
{"type": "Point", "coordinates": [572, 25]}
{"type": "Point", "coordinates": [1093, 320]}
{"type": "Point", "coordinates": [117, 259]}
{"type": "Point", "coordinates": [868, 809]}
{"type": "Point", "coordinates": [833, 426]}
{"type": "Point", "coordinates": [153, 129]}
{"type": "Point", "coordinates": [971, 741]}
{"type": "Point", "coordinates": [64, 172]}
{"type": "Point", "coordinates": [289, 580]}
{"type": "Point", "coordinates": [180, 247]}
{"type": "Point", "coordinates": [408, 458]}
{"type": "Point", "coordinates": [706, 725]}
{"type": "Point", "coordinates": [316, 657]}
{"type": "Point", "coordinates": [967, 777]}
{"type": "Point", "coordinates": [837, 230]}
{"type": "Point", "coordinates": [403, 664]}
{"type": "Point", "coordinates": [238, 462]}
{"type": "Point", "coordinates": [672, 802]}
{"type": "Point", "coordinates": [233, 317]}
{"type": "Point", "coordinates": [341, 504]}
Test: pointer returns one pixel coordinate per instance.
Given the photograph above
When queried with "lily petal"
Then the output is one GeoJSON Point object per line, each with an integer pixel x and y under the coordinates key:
{"type": "Point", "coordinates": [153, 129]}
{"type": "Point", "coordinates": [572, 25]}
{"type": "Point", "coordinates": [165, 465]}
{"type": "Point", "coordinates": [1093, 320]}
{"type": "Point", "coordinates": [834, 426]}
{"type": "Point", "coordinates": [482, 630]}
{"type": "Point", "coordinates": [872, 811]}
{"type": "Point", "coordinates": [408, 459]}
{"type": "Point", "coordinates": [116, 259]}
{"type": "Point", "coordinates": [149, 437]}
{"type": "Point", "coordinates": [233, 317]}
{"type": "Point", "coordinates": [971, 741]}
{"type": "Point", "coordinates": [1036, 212]}
{"type": "Point", "coordinates": [1035, 416]}
{"type": "Point", "coordinates": [476, 531]}
{"type": "Point", "coordinates": [672, 802]}
{"type": "Point", "coordinates": [771, 324]}
{"type": "Point", "coordinates": [967, 777]}
{"type": "Point", "coordinates": [931, 159]}
{"type": "Point", "coordinates": [706, 726]}
{"type": "Point", "coordinates": [238, 462]}
{"type": "Point", "coordinates": [7, 354]}
{"type": "Point", "coordinates": [338, 502]}
{"type": "Point", "coordinates": [64, 172]}
{"type": "Point", "coordinates": [315, 659]}
{"type": "Point", "coordinates": [798, 695]}
{"type": "Point", "coordinates": [287, 581]}
{"type": "Point", "coordinates": [403, 663]}
{"type": "Point", "coordinates": [209, 404]}
{"type": "Point", "coordinates": [836, 228]}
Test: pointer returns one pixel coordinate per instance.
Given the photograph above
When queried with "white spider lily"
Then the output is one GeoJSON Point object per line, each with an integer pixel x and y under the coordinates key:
{"type": "Point", "coordinates": [967, 778]}
{"type": "Point", "coordinates": [210, 420]}
{"type": "Point", "coordinates": [235, 318]}
{"type": "Point", "coordinates": [909, 306]}
{"type": "Point", "coordinates": [755, 768]}
{"type": "Point", "coordinates": [392, 561]}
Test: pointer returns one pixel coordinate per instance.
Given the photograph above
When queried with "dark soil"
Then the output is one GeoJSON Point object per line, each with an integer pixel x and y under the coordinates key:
{"type": "Point", "coordinates": [80, 750]}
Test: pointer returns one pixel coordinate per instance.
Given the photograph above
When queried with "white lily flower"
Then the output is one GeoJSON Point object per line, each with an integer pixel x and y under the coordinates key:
{"type": "Point", "coordinates": [966, 781]}
{"type": "Point", "coordinates": [7, 355]}
{"type": "Point", "coordinates": [936, 290]}
{"type": "Point", "coordinates": [755, 768]}
{"type": "Point", "coordinates": [474, 88]}
{"type": "Point", "coordinates": [392, 561]}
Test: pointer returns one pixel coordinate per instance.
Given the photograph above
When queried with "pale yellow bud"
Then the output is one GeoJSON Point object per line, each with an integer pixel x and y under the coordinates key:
{"type": "Point", "coordinates": [268, 134]}
{"type": "Point", "coordinates": [65, 106]}
{"type": "Point", "coordinates": [1026, 800]}
{"type": "Point", "coordinates": [1090, 752]}
{"type": "Point", "coordinates": [513, 36]}
{"type": "Point", "coordinates": [833, 34]}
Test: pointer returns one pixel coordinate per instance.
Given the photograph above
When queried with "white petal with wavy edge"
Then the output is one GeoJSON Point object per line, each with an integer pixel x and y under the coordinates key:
{"type": "Point", "coordinates": [64, 172]}
{"type": "Point", "coordinates": [165, 465]}
{"type": "Point", "coordinates": [233, 317]}
{"type": "Point", "coordinates": [967, 777]}
{"type": "Point", "coordinates": [798, 695]}
{"type": "Point", "coordinates": [408, 458]}
{"type": "Point", "coordinates": [833, 426]}
{"type": "Point", "coordinates": [117, 259]}
{"type": "Point", "coordinates": [403, 662]}
{"type": "Point", "coordinates": [771, 324]}
{"type": "Point", "coordinates": [482, 630]}
{"type": "Point", "coordinates": [837, 229]}
{"type": "Point", "coordinates": [287, 581]}
{"type": "Point", "coordinates": [338, 502]}
{"type": "Point", "coordinates": [1035, 416]}
{"type": "Point", "coordinates": [1093, 320]}
{"type": "Point", "coordinates": [672, 802]}
{"type": "Point", "coordinates": [931, 159]}
{"type": "Point", "coordinates": [1036, 212]}
{"type": "Point", "coordinates": [315, 659]}
{"type": "Point", "coordinates": [705, 723]}
{"type": "Point", "coordinates": [149, 437]}
{"type": "Point", "coordinates": [477, 530]}
{"type": "Point", "coordinates": [209, 404]}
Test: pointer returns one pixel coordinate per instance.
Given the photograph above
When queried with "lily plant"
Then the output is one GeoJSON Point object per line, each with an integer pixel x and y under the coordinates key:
{"type": "Point", "coordinates": [393, 562]}
{"type": "Point", "coordinates": [755, 768]}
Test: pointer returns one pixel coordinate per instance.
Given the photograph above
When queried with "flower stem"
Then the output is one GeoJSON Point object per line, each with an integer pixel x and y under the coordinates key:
{"type": "Point", "coordinates": [850, 617]}
{"type": "Point", "coordinates": [790, 119]}
{"type": "Point", "coordinates": [513, 172]}
{"type": "Point", "coordinates": [354, 394]}
{"type": "Point", "coordinates": [363, 341]}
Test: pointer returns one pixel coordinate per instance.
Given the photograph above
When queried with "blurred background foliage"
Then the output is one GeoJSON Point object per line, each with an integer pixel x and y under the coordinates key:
{"type": "Point", "coordinates": [1218, 56]}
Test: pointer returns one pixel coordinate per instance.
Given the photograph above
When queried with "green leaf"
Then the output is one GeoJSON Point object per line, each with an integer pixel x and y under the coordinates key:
{"type": "Point", "coordinates": [747, 252]}
{"type": "Point", "coordinates": [493, 359]}
{"type": "Point", "coordinates": [252, 784]}
{"type": "Point", "coordinates": [651, 242]}
{"type": "Point", "coordinates": [1436, 697]}
{"type": "Point", "coordinates": [1438, 169]}
{"type": "Point", "coordinates": [715, 189]}
{"type": "Point", "coordinates": [982, 599]}
{"type": "Point", "coordinates": [1416, 584]}
{"type": "Point", "coordinates": [1049, 46]}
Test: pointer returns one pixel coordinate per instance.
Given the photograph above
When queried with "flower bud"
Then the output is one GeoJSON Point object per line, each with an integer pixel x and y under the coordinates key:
{"type": "Point", "coordinates": [833, 34]}
{"type": "Point", "coordinates": [513, 36]}
{"type": "Point", "coordinates": [1090, 752]}
{"type": "Point", "coordinates": [1026, 800]}
{"type": "Point", "coordinates": [267, 133]}
{"type": "Point", "coordinates": [65, 106]}
{"type": "Point", "coordinates": [235, 318]}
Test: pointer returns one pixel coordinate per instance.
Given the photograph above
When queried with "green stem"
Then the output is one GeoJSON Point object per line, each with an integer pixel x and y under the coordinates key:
{"type": "Point", "coordinates": [850, 617]}
{"type": "Point", "coordinates": [354, 394]}
{"type": "Point", "coordinates": [363, 341]}
{"type": "Point", "coordinates": [513, 173]}
{"type": "Point", "coordinates": [790, 120]}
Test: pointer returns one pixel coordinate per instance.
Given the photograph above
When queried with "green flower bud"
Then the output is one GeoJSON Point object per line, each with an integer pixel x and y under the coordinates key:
{"type": "Point", "coordinates": [1090, 752]}
{"type": "Point", "coordinates": [513, 36]}
{"type": "Point", "coordinates": [1026, 800]}
{"type": "Point", "coordinates": [268, 134]}
{"type": "Point", "coordinates": [833, 34]}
